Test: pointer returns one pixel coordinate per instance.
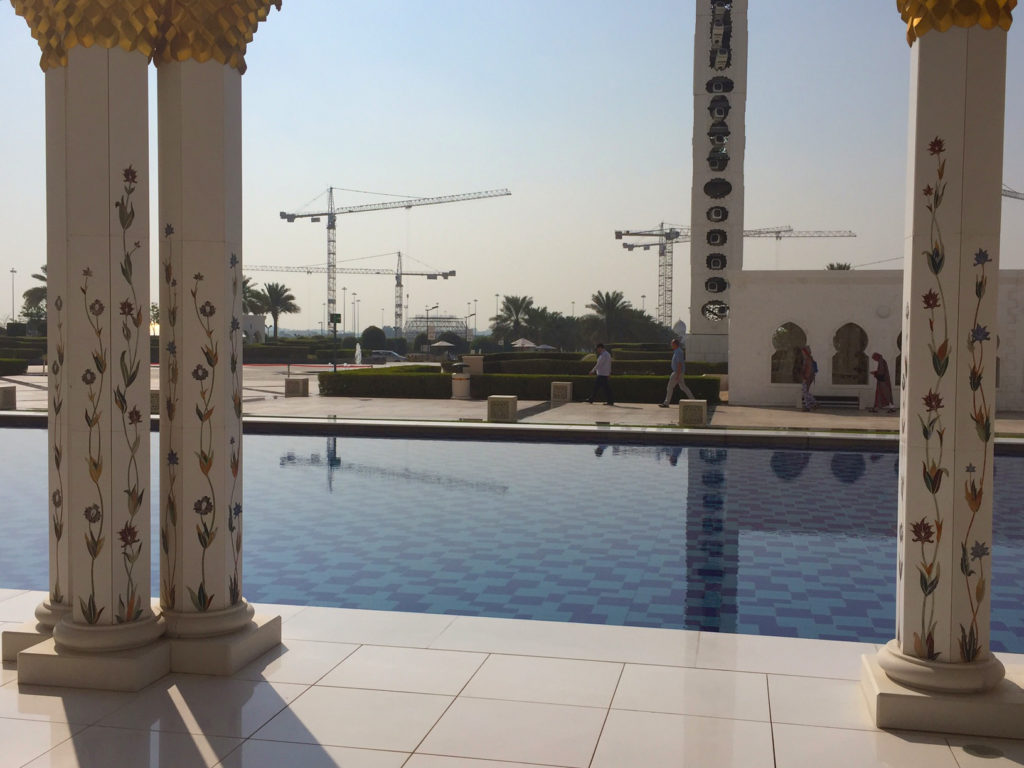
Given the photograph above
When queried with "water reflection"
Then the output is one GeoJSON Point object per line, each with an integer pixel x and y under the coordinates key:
{"type": "Point", "coordinates": [789, 465]}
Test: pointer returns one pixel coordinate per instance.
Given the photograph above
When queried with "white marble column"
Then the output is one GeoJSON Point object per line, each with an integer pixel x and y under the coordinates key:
{"type": "Point", "coordinates": [201, 509]}
{"type": "Point", "coordinates": [944, 556]}
{"type": "Point", "coordinates": [97, 135]}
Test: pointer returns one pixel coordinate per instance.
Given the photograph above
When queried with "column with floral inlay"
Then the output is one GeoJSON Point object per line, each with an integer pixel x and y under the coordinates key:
{"type": "Point", "coordinates": [944, 555]}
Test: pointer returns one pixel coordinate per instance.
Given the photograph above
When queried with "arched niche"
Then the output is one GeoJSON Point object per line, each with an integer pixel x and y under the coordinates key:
{"type": "Point", "coordinates": [788, 339]}
{"type": "Point", "coordinates": [850, 363]}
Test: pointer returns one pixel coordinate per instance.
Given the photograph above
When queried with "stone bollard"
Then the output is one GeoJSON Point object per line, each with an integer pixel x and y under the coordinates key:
{"type": "Point", "coordinates": [561, 392]}
{"type": "Point", "coordinates": [296, 387]}
{"type": "Point", "coordinates": [693, 413]}
{"type": "Point", "coordinates": [8, 398]}
{"type": "Point", "coordinates": [503, 408]}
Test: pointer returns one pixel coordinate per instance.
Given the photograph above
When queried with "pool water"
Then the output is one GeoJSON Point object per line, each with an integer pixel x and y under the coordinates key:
{"type": "Point", "coordinates": [734, 540]}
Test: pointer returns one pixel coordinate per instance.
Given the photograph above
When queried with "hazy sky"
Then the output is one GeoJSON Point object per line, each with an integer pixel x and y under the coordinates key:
{"type": "Point", "coordinates": [582, 108]}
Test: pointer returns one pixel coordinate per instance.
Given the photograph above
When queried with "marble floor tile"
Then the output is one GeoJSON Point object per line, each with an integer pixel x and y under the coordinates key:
{"type": "Point", "coordinates": [781, 655]}
{"type": "Point", "coordinates": [514, 731]}
{"type": "Point", "coordinates": [209, 705]}
{"type": "Point", "coordinates": [414, 670]}
{"type": "Point", "coordinates": [658, 740]}
{"type": "Point", "coordinates": [351, 717]}
{"type": "Point", "coordinates": [59, 705]}
{"type": "Point", "coordinates": [22, 606]}
{"type": "Point", "coordinates": [983, 752]}
{"type": "Point", "coordinates": [690, 691]}
{"type": "Point", "coordinates": [595, 642]}
{"type": "Point", "coordinates": [297, 661]}
{"type": "Point", "coordinates": [347, 625]}
{"type": "Point", "coordinates": [804, 746]}
{"type": "Point", "coordinates": [440, 761]}
{"type": "Point", "coordinates": [21, 740]}
{"type": "Point", "coordinates": [550, 681]}
{"type": "Point", "coordinates": [818, 701]}
{"type": "Point", "coordinates": [100, 747]}
{"type": "Point", "coordinates": [277, 754]}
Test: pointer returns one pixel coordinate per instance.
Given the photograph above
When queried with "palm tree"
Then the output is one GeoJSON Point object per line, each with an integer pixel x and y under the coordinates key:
{"type": "Point", "coordinates": [833, 265]}
{"type": "Point", "coordinates": [252, 297]}
{"type": "Point", "coordinates": [609, 307]}
{"type": "Point", "coordinates": [35, 297]}
{"type": "Point", "coordinates": [510, 321]}
{"type": "Point", "coordinates": [277, 299]}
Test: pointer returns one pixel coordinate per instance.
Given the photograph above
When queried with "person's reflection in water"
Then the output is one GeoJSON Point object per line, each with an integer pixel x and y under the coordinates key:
{"type": "Point", "coordinates": [599, 451]}
{"type": "Point", "coordinates": [673, 457]}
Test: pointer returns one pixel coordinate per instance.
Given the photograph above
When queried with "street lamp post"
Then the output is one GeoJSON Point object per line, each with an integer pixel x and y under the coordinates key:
{"type": "Point", "coordinates": [573, 309]}
{"type": "Point", "coordinates": [474, 318]}
{"type": "Point", "coordinates": [643, 302]}
{"type": "Point", "coordinates": [344, 310]}
{"type": "Point", "coordinates": [466, 323]}
{"type": "Point", "coordinates": [495, 305]}
{"type": "Point", "coordinates": [355, 330]}
{"type": "Point", "coordinates": [428, 320]}
{"type": "Point", "coordinates": [382, 320]}
{"type": "Point", "coordinates": [13, 273]}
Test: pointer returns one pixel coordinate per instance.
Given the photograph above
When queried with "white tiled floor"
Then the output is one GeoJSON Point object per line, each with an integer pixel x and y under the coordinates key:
{"type": "Point", "coordinates": [366, 689]}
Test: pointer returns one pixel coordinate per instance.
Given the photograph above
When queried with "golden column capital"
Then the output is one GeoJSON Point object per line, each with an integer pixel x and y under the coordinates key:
{"type": "Point", "coordinates": [163, 30]}
{"type": "Point", "coordinates": [210, 29]}
{"type": "Point", "coordinates": [922, 16]}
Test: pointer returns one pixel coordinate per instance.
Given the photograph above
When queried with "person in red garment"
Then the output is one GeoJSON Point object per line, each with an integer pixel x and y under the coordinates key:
{"type": "Point", "coordinates": [883, 385]}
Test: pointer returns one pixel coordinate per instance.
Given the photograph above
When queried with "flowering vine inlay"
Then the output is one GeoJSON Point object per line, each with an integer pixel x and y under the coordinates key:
{"type": "Point", "coordinates": [169, 521]}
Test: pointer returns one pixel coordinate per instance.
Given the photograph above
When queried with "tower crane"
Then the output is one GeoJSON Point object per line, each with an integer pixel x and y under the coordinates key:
{"type": "Point", "coordinates": [332, 214]}
{"type": "Point", "coordinates": [397, 272]}
{"type": "Point", "coordinates": [1007, 192]}
{"type": "Point", "coordinates": [667, 236]}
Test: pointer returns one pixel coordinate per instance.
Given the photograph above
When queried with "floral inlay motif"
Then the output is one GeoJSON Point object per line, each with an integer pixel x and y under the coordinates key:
{"type": "Point", "coordinates": [205, 373]}
{"type": "Point", "coordinates": [928, 532]}
{"type": "Point", "coordinates": [130, 604]}
{"type": "Point", "coordinates": [169, 521]}
{"type": "Point", "coordinates": [57, 497]}
{"type": "Point", "coordinates": [234, 516]}
{"type": "Point", "coordinates": [94, 380]}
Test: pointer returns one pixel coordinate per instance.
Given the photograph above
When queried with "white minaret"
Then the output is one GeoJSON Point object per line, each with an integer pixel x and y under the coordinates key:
{"type": "Point", "coordinates": [716, 215]}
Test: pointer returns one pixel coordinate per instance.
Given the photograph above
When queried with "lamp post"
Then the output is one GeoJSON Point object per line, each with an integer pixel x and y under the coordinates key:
{"type": "Point", "coordinates": [355, 329]}
{"type": "Point", "coordinates": [643, 302]}
{"type": "Point", "coordinates": [382, 320]}
{"type": "Point", "coordinates": [573, 309]}
{"type": "Point", "coordinates": [343, 310]}
{"type": "Point", "coordinates": [495, 305]}
{"type": "Point", "coordinates": [13, 273]}
{"type": "Point", "coordinates": [324, 321]}
{"type": "Point", "coordinates": [355, 322]}
{"type": "Point", "coordinates": [428, 321]}
{"type": "Point", "coordinates": [474, 318]}
{"type": "Point", "coordinates": [466, 322]}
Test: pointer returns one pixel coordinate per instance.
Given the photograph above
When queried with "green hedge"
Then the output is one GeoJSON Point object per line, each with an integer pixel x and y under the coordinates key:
{"type": "Point", "coordinates": [542, 355]}
{"type": "Point", "coordinates": [653, 367]}
{"type": "Point", "coordinates": [414, 381]}
{"type": "Point", "coordinates": [13, 367]}
{"type": "Point", "coordinates": [627, 389]}
{"type": "Point", "coordinates": [275, 353]}
{"type": "Point", "coordinates": [328, 355]}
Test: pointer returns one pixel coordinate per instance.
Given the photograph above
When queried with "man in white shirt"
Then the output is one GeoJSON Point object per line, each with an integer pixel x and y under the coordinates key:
{"type": "Point", "coordinates": [603, 369]}
{"type": "Point", "coordinates": [678, 371]}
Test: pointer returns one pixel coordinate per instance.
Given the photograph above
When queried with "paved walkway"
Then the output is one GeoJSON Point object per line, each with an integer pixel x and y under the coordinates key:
{"type": "Point", "coordinates": [264, 396]}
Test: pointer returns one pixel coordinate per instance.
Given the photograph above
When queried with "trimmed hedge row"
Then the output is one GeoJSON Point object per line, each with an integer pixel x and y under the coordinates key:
{"type": "Point", "coordinates": [542, 355]}
{"type": "Point", "coordinates": [653, 367]}
{"type": "Point", "coordinates": [415, 381]}
{"type": "Point", "coordinates": [627, 389]}
{"type": "Point", "coordinates": [10, 367]}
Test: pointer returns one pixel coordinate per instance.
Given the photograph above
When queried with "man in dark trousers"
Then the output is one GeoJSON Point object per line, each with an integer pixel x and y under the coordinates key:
{"type": "Point", "coordinates": [678, 371]}
{"type": "Point", "coordinates": [603, 369]}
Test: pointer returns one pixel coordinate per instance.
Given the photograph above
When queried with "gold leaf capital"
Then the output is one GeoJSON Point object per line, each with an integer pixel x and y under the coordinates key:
{"type": "Point", "coordinates": [922, 16]}
{"type": "Point", "coordinates": [162, 30]}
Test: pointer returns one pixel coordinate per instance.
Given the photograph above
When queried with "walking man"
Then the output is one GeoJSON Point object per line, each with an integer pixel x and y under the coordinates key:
{"type": "Point", "coordinates": [603, 369]}
{"type": "Point", "coordinates": [678, 371]}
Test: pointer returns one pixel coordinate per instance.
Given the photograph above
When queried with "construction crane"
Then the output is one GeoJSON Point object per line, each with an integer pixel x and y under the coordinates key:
{"type": "Point", "coordinates": [397, 272]}
{"type": "Point", "coordinates": [1007, 192]}
{"type": "Point", "coordinates": [332, 214]}
{"type": "Point", "coordinates": [666, 237]}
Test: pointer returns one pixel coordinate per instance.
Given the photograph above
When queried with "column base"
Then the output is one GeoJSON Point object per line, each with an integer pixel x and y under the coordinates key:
{"type": "Point", "coordinates": [84, 638]}
{"type": "Point", "coordinates": [49, 613]}
{"type": "Point", "coordinates": [997, 712]}
{"type": "Point", "coordinates": [16, 640]}
{"type": "Point", "coordinates": [226, 654]}
{"type": "Point", "coordinates": [974, 677]}
{"type": "Point", "coordinates": [197, 624]}
{"type": "Point", "coordinates": [126, 670]}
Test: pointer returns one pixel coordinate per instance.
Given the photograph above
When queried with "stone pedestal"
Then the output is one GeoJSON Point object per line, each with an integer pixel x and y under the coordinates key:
{"type": "Point", "coordinates": [561, 392]}
{"type": "Point", "coordinates": [693, 413]}
{"type": "Point", "coordinates": [8, 398]}
{"type": "Point", "coordinates": [503, 408]}
{"type": "Point", "coordinates": [940, 660]}
{"type": "Point", "coordinates": [296, 387]}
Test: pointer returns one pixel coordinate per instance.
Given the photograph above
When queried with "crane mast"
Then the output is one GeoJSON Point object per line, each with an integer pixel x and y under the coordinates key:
{"type": "Point", "coordinates": [332, 214]}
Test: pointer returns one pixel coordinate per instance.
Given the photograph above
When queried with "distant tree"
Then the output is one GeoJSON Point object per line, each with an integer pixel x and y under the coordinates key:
{"type": "Point", "coordinates": [832, 265]}
{"type": "Point", "coordinates": [35, 297]}
{"type": "Point", "coordinates": [278, 300]}
{"type": "Point", "coordinates": [610, 307]}
{"type": "Point", "coordinates": [398, 344]}
{"type": "Point", "coordinates": [252, 298]}
{"type": "Point", "coordinates": [349, 342]}
{"type": "Point", "coordinates": [420, 341]}
{"type": "Point", "coordinates": [510, 322]}
{"type": "Point", "coordinates": [154, 312]}
{"type": "Point", "coordinates": [373, 338]}
{"type": "Point", "coordinates": [460, 345]}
